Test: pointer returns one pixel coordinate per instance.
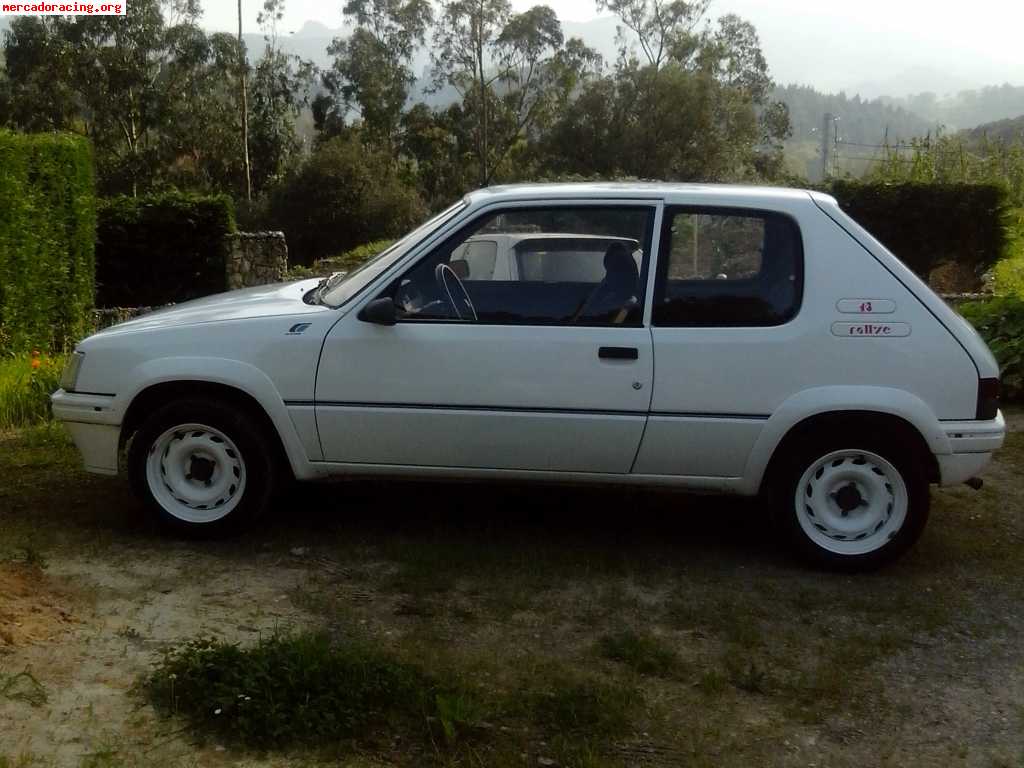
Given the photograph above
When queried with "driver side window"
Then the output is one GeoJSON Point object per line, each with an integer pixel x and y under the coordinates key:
{"type": "Point", "coordinates": [581, 265]}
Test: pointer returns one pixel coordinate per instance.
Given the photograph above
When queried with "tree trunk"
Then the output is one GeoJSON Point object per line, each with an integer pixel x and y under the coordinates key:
{"type": "Point", "coordinates": [243, 65]}
{"type": "Point", "coordinates": [484, 170]}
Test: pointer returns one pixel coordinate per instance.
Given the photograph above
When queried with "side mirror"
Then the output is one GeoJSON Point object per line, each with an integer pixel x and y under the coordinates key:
{"type": "Point", "coordinates": [380, 311]}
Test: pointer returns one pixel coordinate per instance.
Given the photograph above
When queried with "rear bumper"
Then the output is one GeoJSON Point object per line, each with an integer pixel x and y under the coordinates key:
{"type": "Point", "coordinates": [94, 426]}
{"type": "Point", "coordinates": [971, 444]}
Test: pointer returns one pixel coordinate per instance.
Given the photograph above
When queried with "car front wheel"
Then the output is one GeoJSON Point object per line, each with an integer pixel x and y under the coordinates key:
{"type": "Point", "coordinates": [201, 467]}
{"type": "Point", "coordinates": [852, 507]}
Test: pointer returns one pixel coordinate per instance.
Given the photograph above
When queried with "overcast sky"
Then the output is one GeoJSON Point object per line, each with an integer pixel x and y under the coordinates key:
{"type": "Point", "coordinates": [885, 45]}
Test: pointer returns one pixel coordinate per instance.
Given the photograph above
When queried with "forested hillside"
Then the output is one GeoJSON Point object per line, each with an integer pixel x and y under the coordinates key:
{"type": "Point", "coordinates": [1006, 131]}
{"type": "Point", "coordinates": [861, 121]}
{"type": "Point", "coordinates": [863, 125]}
{"type": "Point", "coordinates": [968, 109]}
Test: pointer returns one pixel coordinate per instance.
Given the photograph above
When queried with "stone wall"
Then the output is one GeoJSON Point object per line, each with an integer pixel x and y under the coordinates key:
{"type": "Point", "coordinates": [254, 258]}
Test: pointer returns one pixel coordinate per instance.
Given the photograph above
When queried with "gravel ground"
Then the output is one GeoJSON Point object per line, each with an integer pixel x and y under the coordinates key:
{"type": "Point", "coordinates": [918, 665]}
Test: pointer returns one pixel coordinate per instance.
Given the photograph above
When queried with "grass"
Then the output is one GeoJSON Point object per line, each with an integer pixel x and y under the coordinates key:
{"type": "Point", "coordinates": [644, 653]}
{"type": "Point", "coordinates": [717, 623]}
{"type": "Point", "coordinates": [1009, 272]}
{"type": "Point", "coordinates": [287, 689]}
{"type": "Point", "coordinates": [22, 686]}
{"type": "Point", "coordinates": [47, 501]}
{"type": "Point", "coordinates": [23, 760]}
{"type": "Point", "coordinates": [311, 690]}
{"type": "Point", "coordinates": [26, 383]}
{"type": "Point", "coordinates": [572, 704]}
{"type": "Point", "coordinates": [343, 262]}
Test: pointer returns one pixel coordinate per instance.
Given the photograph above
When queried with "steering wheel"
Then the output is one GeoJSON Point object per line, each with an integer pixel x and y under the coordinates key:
{"type": "Point", "coordinates": [454, 292]}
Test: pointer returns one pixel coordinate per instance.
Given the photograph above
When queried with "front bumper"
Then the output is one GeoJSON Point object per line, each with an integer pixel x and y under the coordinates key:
{"type": "Point", "coordinates": [95, 426]}
{"type": "Point", "coordinates": [971, 444]}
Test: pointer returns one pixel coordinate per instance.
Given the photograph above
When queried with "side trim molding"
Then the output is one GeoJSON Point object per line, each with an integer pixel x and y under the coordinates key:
{"type": "Point", "coordinates": [510, 409]}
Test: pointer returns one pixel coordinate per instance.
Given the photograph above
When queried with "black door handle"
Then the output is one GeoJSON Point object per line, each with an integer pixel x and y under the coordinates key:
{"type": "Point", "coordinates": [618, 353]}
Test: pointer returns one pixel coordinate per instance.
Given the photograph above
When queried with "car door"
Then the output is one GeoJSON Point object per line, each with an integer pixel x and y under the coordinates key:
{"type": "Point", "coordinates": [729, 285]}
{"type": "Point", "coordinates": [537, 381]}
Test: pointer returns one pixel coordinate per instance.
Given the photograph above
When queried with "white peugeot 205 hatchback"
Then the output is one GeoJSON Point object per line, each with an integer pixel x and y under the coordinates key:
{"type": "Point", "coordinates": [713, 338]}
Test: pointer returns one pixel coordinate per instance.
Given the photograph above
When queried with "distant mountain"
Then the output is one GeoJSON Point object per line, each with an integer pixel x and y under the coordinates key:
{"type": "Point", "coordinates": [911, 81]}
{"type": "Point", "coordinates": [1009, 130]}
{"type": "Point", "coordinates": [967, 109]}
{"type": "Point", "coordinates": [312, 39]}
{"type": "Point", "coordinates": [309, 43]}
{"type": "Point", "coordinates": [316, 29]}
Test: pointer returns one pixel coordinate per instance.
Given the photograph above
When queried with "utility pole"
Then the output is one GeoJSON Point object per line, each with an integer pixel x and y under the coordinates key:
{"type": "Point", "coordinates": [826, 145]}
{"type": "Point", "coordinates": [242, 67]}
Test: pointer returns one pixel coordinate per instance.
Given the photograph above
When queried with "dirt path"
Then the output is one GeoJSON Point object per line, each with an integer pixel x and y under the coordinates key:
{"type": "Point", "coordinates": [97, 623]}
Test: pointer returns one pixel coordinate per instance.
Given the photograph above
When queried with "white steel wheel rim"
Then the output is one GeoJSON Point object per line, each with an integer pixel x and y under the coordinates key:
{"type": "Point", "coordinates": [196, 473]}
{"type": "Point", "coordinates": [851, 502]}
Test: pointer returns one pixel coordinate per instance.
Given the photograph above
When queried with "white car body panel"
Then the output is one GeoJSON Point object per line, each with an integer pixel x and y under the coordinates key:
{"type": "Point", "coordinates": [483, 396]}
{"type": "Point", "coordinates": [702, 408]}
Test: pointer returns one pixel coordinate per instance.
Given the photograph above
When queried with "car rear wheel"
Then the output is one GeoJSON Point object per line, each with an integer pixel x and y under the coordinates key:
{"type": "Point", "coordinates": [202, 468]}
{"type": "Point", "coordinates": [854, 504]}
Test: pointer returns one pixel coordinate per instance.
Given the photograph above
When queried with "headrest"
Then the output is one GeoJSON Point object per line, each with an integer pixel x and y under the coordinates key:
{"type": "Point", "coordinates": [619, 259]}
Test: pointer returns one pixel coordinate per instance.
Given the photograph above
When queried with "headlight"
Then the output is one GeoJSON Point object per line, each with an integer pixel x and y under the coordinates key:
{"type": "Point", "coordinates": [69, 378]}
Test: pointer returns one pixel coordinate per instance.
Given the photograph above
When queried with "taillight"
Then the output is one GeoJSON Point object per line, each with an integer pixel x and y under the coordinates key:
{"type": "Point", "coordinates": [988, 399]}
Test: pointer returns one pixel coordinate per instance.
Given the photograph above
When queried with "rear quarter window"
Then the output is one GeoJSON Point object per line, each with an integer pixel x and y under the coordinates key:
{"type": "Point", "coordinates": [724, 267]}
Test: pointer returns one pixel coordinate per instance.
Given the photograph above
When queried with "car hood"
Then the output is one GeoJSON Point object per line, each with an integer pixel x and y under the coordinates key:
{"type": "Point", "coordinates": [262, 301]}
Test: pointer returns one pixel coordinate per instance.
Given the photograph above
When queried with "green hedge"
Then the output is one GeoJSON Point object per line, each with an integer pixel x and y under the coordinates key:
{"type": "Point", "coordinates": [342, 195]}
{"type": "Point", "coordinates": [1000, 321]}
{"type": "Point", "coordinates": [928, 224]}
{"type": "Point", "coordinates": [47, 233]}
{"type": "Point", "coordinates": [161, 248]}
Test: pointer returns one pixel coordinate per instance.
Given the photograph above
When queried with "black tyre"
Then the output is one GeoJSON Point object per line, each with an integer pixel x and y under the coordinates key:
{"type": "Point", "coordinates": [203, 467]}
{"type": "Point", "coordinates": [851, 502]}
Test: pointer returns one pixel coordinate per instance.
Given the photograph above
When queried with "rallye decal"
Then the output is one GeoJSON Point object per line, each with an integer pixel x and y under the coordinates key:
{"type": "Point", "coordinates": [870, 330]}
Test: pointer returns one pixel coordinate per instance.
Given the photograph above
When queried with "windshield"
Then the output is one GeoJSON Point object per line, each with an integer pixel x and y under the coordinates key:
{"type": "Point", "coordinates": [342, 287]}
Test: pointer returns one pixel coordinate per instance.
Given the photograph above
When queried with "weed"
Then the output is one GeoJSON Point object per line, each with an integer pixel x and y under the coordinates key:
{"type": "Point", "coordinates": [289, 689]}
{"type": "Point", "coordinates": [733, 617]}
{"type": "Point", "coordinates": [23, 760]}
{"type": "Point", "coordinates": [712, 682]}
{"type": "Point", "coordinates": [645, 654]}
{"type": "Point", "coordinates": [577, 705]}
{"type": "Point", "coordinates": [25, 387]}
{"type": "Point", "coordinates": [748, 676]}
{"type": "Point", "coordinates": [22, 687]}
{"type": "Point", "coordinates": [455, 711]}
{"type": "Point", "coordinates": [31, 557]}
{"type": "Point", "coordinates": [580, 753]}
{"type": "Point", "coordinates": [105, 757]}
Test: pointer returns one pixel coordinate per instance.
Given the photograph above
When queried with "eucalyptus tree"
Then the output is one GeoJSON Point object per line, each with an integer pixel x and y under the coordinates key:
{"type": "Point", "coordinates": [697, 106]}
{"type": "Point", "coordinates": [510, 70]}
{"type": "Point", "coordinates": [372, 68]}
{"type": "Point", "coordinates": [278, 90]}
{"type": "Point", "coordinates": [147, 89]}
{"type": "Point", "coordinates": [37, 79]}
{"type": "Point", "coordinates": [661, 29]}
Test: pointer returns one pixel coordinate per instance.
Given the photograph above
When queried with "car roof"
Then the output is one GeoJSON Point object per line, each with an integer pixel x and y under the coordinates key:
{"type": "Point", "coordinates": [721, 194]}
